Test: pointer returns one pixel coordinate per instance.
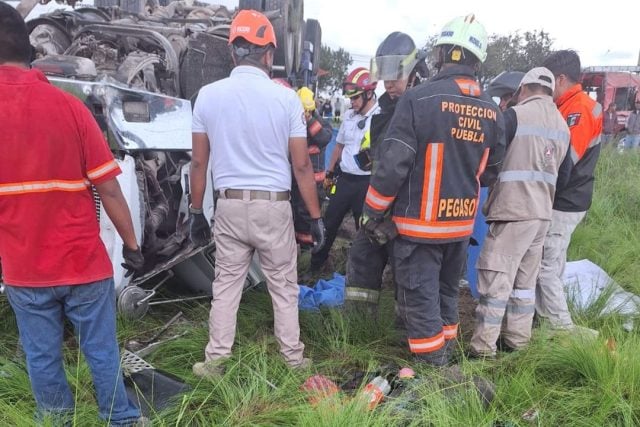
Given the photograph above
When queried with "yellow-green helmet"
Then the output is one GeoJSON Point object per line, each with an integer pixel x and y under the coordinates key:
{"type": "Point", "coordinates": [306, 96]}
{"type": "Point", "coordinates": [466, 32]}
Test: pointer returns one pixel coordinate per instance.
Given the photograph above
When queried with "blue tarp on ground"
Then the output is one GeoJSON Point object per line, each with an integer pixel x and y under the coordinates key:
{"type": "Point", "coordinates": [328, 293]}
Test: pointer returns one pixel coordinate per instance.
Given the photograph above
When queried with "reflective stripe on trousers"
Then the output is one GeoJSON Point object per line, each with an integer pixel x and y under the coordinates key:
{"type": "Point", "coordinates": [426, 277]}
{"type": "Point", "coordinates": [365, 266]}
{"type": "Point", "coordinates": [507, 271]}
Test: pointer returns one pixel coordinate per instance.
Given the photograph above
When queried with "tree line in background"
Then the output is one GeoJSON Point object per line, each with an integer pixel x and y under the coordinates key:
{"type": "Point", "coordinates": [513, 52]}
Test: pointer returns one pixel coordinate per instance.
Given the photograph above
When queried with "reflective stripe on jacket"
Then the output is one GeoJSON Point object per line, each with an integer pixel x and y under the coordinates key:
{"type": "Point", "coordinates": [319, 134]}
{"type": "Point", "coordinates": [440, 139]}
{"type": "Point", "coordinates": [526, 184]}
{"type": "Point", "coordinates": [584, 118]}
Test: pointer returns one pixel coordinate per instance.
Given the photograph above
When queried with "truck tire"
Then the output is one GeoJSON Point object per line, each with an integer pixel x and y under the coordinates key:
{"type": "Point", "coordinates": [288, 28]}
{"type": "Point", "coordinates": [285, 52]}
{"type": "Point", "coordinates": [251, 4]}
{"type": "Point", "coordinates": [313, 34]}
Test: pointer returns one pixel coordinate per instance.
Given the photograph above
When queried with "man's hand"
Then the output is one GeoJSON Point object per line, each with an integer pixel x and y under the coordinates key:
{"type": "Point", "coordinates": [199, 230]}
{"type": "Point", "coordinates": [379, 230]}
{"type": "Point", "coordinates": [318, 232]}
{"type": "Point", "coordinates": [329, 181]}
{"type": "Point", "coordinates": [133, 261]}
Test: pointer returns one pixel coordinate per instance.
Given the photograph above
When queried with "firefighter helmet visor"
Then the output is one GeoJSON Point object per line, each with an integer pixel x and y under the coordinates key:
{"type": "Point", "coordinates": [393, 67]}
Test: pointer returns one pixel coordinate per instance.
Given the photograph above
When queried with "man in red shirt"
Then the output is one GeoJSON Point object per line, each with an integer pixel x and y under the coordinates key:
{"type": "Point", "coordinates": [54, 264]}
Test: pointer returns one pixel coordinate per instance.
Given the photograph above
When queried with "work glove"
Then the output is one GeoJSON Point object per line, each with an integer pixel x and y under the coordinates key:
{"type": "Point", "coordinates": [318, 232]}
{"type": "Point", "coordinates": [133, 261]}
{"type": "Point", "coordinates": [379, 230]}
{"type": "Point", "coordinates": [199, 230]}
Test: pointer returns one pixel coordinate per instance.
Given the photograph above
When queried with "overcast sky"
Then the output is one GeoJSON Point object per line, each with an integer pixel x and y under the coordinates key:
{"type": "Point", "coordinates": [603, 32]}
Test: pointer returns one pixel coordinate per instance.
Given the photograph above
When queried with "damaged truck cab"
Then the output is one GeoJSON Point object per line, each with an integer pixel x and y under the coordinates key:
{"type": "Point", "coordinates": [138, 66]}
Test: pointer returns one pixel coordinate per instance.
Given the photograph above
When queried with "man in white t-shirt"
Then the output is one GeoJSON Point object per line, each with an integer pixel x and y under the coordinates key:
{"type": "Point", "coordinates": [352, 180]}
{"type": "Point", "coordinates": [247, 126]}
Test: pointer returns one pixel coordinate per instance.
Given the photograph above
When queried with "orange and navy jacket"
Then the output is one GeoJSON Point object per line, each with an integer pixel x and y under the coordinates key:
{"type": "Point", "coordinates": [442, 137]}
{"type": "Point", "coordinates": [574, 189]}
{"type": "Point", "coordinates": [319, 134]}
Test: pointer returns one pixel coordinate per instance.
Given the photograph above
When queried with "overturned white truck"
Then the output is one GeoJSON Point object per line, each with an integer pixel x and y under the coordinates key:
{"type": "Point", "coordinates": [137, 65]}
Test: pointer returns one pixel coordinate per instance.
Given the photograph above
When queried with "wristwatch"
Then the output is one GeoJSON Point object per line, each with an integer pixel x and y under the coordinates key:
{"type": "Point", "coordinates": [195, 210]}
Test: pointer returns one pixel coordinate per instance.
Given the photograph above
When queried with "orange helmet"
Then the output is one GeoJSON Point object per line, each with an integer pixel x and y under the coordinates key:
{"type": "Point", "coordinates": [254, 27]}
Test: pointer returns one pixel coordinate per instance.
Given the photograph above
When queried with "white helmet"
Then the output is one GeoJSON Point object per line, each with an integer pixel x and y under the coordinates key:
{"type": "Point", "coordinates": [466, 32]}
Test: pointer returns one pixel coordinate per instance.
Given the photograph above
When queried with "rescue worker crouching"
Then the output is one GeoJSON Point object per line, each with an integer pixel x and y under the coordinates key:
{"type": "Point", "coordinates": [319, 134]}
{"type": "Point", "coordinates": [442, 137]}
{"type": "Point", "coordinates": [349, 192]}
{"type": "Point", "coordinates": [400, 65]}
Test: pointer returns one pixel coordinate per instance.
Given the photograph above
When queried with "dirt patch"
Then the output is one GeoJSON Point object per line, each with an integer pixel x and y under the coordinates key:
{"type": "Point", "coordinates": [466, 309]}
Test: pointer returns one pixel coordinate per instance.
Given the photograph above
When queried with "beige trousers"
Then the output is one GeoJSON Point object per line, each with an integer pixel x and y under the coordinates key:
{"type": "Point", "coordinates": [507, 270]}
{"type": "Point", "coordinates": [551, 302]}
{"type": "Point", "coordinates": [242, 227]}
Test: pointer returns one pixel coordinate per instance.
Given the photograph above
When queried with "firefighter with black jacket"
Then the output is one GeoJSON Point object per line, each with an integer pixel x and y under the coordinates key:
{"type": "Point", "coordinates": [445, 136]}
{"type": "Point", "coordinates": [319, 134]}
{"type": "Point", "coordinates": [400, 65]}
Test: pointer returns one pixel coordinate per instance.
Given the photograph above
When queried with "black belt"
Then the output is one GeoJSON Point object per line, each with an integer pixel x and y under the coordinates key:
{"type": "Point", "coordinates": [275, 196]}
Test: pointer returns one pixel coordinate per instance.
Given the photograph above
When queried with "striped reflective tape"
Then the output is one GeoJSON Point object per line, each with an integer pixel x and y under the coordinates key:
{"type": "Point", "coordinates": [527, 176]}
{"type": "Point", "coordinates": [468, 87]}
{"type": "Point", "coordinates": [433, 230]}
{"type": "Point", "coordinates": [102, 170]}
{"type": "Point", "coordinates": [43, 186]}
{"type": "Point", "coordinates": [434, 156]}
{"type": "Point", "coordinates": [488, 319]}
{"type": "Point", "coordinates": [426, 345]}
{"type": "Point", "coordinates": [546, 133]}
{"type": "Point", "coordinates": [492, 302]}
{"type": "Point", "coordinates": [450, 331]}
{"type": "Point", "coordinates": [361, 294]}
{"type": "Point", "coordinates": [377, 201]}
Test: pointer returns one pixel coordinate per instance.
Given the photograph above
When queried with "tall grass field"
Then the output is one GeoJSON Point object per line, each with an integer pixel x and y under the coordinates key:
{"type": "Point", "coordinates": [559, 380]}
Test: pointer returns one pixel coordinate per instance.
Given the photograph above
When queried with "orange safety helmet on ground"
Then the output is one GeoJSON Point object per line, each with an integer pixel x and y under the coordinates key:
{"type": "Point", "coordinates": [254, 27]}
{"type": "Point", "coordinates": [357, 82]}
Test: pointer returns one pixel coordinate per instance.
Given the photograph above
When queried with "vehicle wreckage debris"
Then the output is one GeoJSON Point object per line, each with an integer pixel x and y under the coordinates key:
{"type": "Point", "coordinates": [144, 347]}
{"type": "Point", "coordinates": [397, 385]}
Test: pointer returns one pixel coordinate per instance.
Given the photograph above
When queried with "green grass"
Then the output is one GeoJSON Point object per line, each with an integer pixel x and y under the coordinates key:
{"type": "Point", "coordinates": [564, 380]}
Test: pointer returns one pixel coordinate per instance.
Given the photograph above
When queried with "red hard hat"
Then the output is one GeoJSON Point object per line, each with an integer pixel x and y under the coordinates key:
{"type": "Point", "coordinates": [358, 81]}
{"type": "Point", "coordinates": [254, 27]}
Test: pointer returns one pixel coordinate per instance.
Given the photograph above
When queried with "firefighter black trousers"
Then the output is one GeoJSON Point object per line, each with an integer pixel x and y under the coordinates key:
{"type": "Point", "coordinates": [349, 196]}
{"type": "Point", "coordinates": [366, 264]}
{"type": "Point", "coordinates": [426, 277]}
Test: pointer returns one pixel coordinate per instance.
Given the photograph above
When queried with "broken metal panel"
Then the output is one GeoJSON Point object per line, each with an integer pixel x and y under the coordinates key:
{"type": "Point", "coordinates": [169, 120]}
{"type": "Point", "coordinates": [152, 390]}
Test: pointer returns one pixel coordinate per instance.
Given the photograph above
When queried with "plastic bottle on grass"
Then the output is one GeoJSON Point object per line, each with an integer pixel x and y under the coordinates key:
{"type": "Point", "coordinates": [375, 391]}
